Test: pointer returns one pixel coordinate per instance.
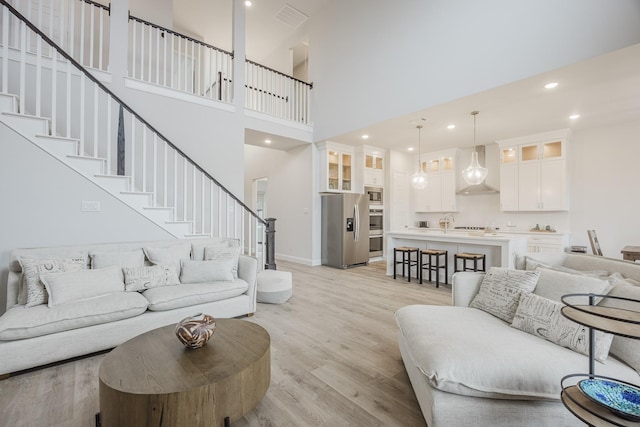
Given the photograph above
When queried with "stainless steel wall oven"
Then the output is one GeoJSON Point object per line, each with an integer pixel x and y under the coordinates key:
{"type": "Point", "coordinates": [376, 229]}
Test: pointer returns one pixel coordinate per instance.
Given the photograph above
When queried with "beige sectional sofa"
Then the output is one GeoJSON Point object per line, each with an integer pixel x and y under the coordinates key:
{"type": "Point", "coordinates": [64, 302]}
{"type": "Point", "coordinates": [469, 367]}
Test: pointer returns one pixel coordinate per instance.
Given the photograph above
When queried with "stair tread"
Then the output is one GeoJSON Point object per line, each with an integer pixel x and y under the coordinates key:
{"type": "Point", "coordinates": [179, 222]}
{"type": "Point", "coordinates": [107, 175]}
{"type": "Point", "coordinates": [61, 138]}
{"type": "Point", "coordinates": [146, 193]}
{"type": "Point", "coordinates": [78, 156]}
{"type": "Point", "coordinates": [9, 113]}
{"type": "Point", "coordinates": [157, 208]}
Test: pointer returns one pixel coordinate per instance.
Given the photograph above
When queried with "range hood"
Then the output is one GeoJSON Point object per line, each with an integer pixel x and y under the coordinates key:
{"type": "Point", "coordinates": [479, 188]}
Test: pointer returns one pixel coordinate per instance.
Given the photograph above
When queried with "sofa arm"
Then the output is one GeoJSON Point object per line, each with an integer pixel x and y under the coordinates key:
{"type": "Point", "coordinates": [464, 287]}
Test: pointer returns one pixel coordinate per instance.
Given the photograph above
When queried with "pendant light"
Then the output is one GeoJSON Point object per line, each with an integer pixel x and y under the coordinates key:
{"type": "Point", "coordinates": [474, 174]}
{"type": "Point", "coordinates": [419, 179]}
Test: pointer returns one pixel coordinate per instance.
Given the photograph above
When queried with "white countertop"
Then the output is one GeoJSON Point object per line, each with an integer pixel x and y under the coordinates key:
{"type": "Point", "coordinates": [500, 231]}
{"type": "Point", "coordinates": [457, 235]}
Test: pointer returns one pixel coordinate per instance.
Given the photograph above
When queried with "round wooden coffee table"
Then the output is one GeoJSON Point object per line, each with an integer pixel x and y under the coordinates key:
{"type": "Point", "coordinates": [153, 380]}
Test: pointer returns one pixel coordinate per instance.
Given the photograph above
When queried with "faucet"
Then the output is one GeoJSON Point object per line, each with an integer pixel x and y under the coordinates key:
{"type": "Point", "coordinates": [445, 219]}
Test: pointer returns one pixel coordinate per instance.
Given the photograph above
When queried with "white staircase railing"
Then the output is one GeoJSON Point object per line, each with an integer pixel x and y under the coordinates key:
{"type": "Point", "coordinates": [80, 27]}
{"type": "Point", "coordinates": [112, 136]}
{"type": "Point", "coordinates": [163, 57]}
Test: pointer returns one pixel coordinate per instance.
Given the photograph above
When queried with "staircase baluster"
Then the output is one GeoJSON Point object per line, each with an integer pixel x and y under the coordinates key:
{"type": "Point", "coordinates": [96, 110]}
{"type": "Point", "coordinates": [82, 35]}
{"type": "Point", "coordinates": [101, 42]}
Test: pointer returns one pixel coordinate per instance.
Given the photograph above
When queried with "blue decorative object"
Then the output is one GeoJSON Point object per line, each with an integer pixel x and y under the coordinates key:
{"type": "Point", "coordinates": [621, 399]}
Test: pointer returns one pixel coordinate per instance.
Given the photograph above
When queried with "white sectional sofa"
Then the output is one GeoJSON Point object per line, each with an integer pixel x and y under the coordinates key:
{"type": "Point", "coordinates": [471, 368]}
{"type": "Point", "coordinates": [89, 310]}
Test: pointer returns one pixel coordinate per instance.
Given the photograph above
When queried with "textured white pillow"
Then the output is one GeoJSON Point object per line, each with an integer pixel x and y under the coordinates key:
{"type": "Point", "coordinates": [554, 284]}
{"type": "Point", "coordinates": [222, 253]}
{"type": "Point", "coordinates": [500, 291]}
{"type": "Point", "coordinates": [541, 317]}
{"type": "Point", "coordinates": [34, 291]}
{"type": "Point", "coordinates": [143, 278]}
{"type": "Point", "coordinates": [134, 258]}
{"type": "Point", "coordinates": [169, 255]}
{"type": "Point", "coordinates": [81, 285]}
{"type": "Point", "coordinates": [206, 271]}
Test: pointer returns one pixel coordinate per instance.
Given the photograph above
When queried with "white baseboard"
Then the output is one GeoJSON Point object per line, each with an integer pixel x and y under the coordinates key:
{"type": "Point", "coordinates": [297, 260]}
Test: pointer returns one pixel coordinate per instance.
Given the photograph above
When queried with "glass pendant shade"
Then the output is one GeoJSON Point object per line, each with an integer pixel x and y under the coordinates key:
{"type": "Point", "coordinates": [474, 174]}
{"type": "Point", "coordinates": [419, 179]}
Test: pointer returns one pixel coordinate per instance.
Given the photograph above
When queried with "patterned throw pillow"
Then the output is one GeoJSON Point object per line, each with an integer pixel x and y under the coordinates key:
{"type": "Point", "coordinates": [221, 253]}
{"type": "Point", "coordinates": [500, 291]}
{"type": "Point", "coordinates": [542, 317]}
{"type": "Point", "coordinates": [33, 268]}
{"type": "Point", "coordinates": [143, 278]}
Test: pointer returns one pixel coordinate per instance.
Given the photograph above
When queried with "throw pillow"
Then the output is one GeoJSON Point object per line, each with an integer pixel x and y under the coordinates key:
{"type": "Point", "coordinates": [542, 317]}
{"type": "Point", "coordinates": [169, 255]}
{"type": "Point", "coordinates": [500, 291]}
{"type": "Point", "coordinates": [221, 253]}
{"type": "Point", "coordinates": [626, 349]}
{"type": "Point", "coordinates": [207, 271]}
{"type": "Point", "coordinates": [82, 285]}
{"type": "Point", "coordinates": [554, 284]}
{"type": "Point", "coordinates": [197, 248]}
{"type": "Point", "coordinates": [142, 278]}
{"type": "Point", "coordinates": [122, 259]}
{"type": "Point", "coordinates": [32, 269]}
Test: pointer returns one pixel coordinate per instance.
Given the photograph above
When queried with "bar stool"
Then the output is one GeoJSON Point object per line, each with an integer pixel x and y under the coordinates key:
{"type": "Point", "coordinates": [406, 260]}
{"type": "Point", "coordinates": [434, 254]}
{"type": "Point", "coordinates": [468, 256]}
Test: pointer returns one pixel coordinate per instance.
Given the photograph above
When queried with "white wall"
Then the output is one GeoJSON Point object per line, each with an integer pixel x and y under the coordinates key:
{"type": "Point", "coordinates": [41, 206]}
{"type": "Point", "coordinates": [381, 59]}
{"type": "Point", "coordinates": [289, 196]}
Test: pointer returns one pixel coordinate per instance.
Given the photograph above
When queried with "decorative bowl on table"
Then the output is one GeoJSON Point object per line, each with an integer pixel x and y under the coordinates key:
{"type": "Point", "coordinates": [194, 331]}
{"type": "Point", "coordinates": [620, 398]}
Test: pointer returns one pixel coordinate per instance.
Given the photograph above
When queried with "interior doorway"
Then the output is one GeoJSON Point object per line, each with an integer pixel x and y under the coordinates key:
{"type": "Point", "coordinates": [260, 206]}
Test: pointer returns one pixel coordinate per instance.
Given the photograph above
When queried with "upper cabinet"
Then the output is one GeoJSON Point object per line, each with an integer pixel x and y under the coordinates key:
{"type": "Point", "coordinates": [336, 167]}
{"type": "Point", "coordinates": [372, 161]}
{"type": "Point", "coordinates": [440, 192]}
{"type": "Point", "coordinates": [533, 172]}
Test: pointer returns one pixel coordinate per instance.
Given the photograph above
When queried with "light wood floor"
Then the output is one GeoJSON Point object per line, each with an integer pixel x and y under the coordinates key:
{"type": "Point", "coordinates": [334, 359]}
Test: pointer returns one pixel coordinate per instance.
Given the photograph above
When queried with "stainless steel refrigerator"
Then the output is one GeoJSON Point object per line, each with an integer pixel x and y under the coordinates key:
{"type": "Point", "coordinates": [345, 229]}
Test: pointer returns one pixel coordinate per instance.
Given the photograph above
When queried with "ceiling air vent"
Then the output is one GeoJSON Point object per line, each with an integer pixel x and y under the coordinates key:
{"type": "Point", "coordinates": [291, 16]}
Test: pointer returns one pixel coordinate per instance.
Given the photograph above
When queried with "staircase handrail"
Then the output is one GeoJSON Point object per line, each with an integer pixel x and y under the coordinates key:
{"type": "Point", "coordinates": [159, 27]}
{"type": "Point", "coordinates": [126, 107]}
{"type": "Point", "coordinates": [96, 4]}
{"type": "Point", "coordinates": [279, 72]}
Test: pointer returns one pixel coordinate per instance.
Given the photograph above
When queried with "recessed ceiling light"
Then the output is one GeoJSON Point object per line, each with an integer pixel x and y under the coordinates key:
{"type": "Point", "coordinates": [410, 148]}
{"type": "Point", "coordinates": [267, 141]}
{"type": "Point", "coordinates": [365, 136]}
{"type": "Point", "coordinates": [451, 127]}
{"type": "Point", "coordinates": [551, 85]}
{"type": "Point", "coordinates": [574, 116]}
{"type": "Point", "coordinates": [248, 3]}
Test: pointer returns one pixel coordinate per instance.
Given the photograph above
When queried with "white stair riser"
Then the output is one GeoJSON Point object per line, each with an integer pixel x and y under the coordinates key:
{"type": "Point", "coordinates": [8, 103]}
{"type": "Point", "coordinates": [28, 126]}
{"type": "Point", "coordinates": [57, 146]}
{"type": "Point", "coordinates": [113, 184]}
{"type": "Point", "coordinates": [86, 166]}
{"type": "Point", "coordinates": [137, 201]}
{"type": "Point", "coordinates": [159, 215]}
{"type": "Point", "coordinates": [181, 229]}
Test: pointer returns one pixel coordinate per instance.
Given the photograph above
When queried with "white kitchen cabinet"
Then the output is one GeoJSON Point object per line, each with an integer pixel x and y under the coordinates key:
{"type": "Point", "coordinates": [369, 169]}
{"type": "Point", "coordinates": [336, 161]}
{"type": "Point", "coordinates": [440, 193]}
{"type": "Point", "coordinates": [533, 175]}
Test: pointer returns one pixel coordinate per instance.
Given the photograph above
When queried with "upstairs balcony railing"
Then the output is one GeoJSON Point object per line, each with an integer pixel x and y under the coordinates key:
{"type": "Point", "coordinates": [163, 57]}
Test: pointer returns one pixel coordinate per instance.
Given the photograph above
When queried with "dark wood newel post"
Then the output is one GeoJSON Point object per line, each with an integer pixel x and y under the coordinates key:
{"type": "Point", "coordinates": [271, 244]}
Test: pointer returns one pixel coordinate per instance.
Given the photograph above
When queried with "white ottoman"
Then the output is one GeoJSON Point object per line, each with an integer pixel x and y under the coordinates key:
{"type": "Point", "coordinates": [274, 286]}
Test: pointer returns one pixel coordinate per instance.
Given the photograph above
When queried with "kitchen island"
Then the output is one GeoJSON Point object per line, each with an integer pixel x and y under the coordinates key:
{"type": "Point", "coordinates": [498, 248]}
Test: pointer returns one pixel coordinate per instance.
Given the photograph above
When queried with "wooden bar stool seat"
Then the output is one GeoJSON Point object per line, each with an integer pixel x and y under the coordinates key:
{"type": "Point", "coordinates": [433, 264]}
{"type": "Point", "coordinates": [468, 256]}
{"type": "Point", "coordinates": [406, 261]}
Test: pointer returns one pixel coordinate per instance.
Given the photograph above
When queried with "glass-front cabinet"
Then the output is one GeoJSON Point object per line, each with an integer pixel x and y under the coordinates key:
{"type": "Point", "coordinates": [440, 192]}
{"type": "Point", "coordinates": [336, 161]}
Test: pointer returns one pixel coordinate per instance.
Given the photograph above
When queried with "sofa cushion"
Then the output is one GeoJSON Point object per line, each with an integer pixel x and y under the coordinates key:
{"type": "Point", "coordinates": [27, 322]}
{"type": "Point", "coordinates": [208, 271]}
{"type": "Point", "coordinates": [626, 349]}
{"type": "Point", "coordinates": [80, 285]}
{"type": "Point", "coordinates": [532, 264]}
{"type": "Point", "coordinates": [133, 258]}
{"type": "Point", "coordinates": [541, 317]}
{"type": "Point", "coordinates": [34, 291]}
{"type": "Point", "coordinates": [554, 284]}
{"type": "Point", "coordinates": [168, 255]}
{"type": "Point", "coordinates": [147, 277]}
{"type": "Point", "coordinates": [500, 291]}
{"type": "Point", "coordinates": [183, 295]}
{"type": "Point", "coordinates": [197, 248]}
{"type": "Point", "coordinates": [470, 352]}
{"type": "Point", "coordinates": [221, 253]}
